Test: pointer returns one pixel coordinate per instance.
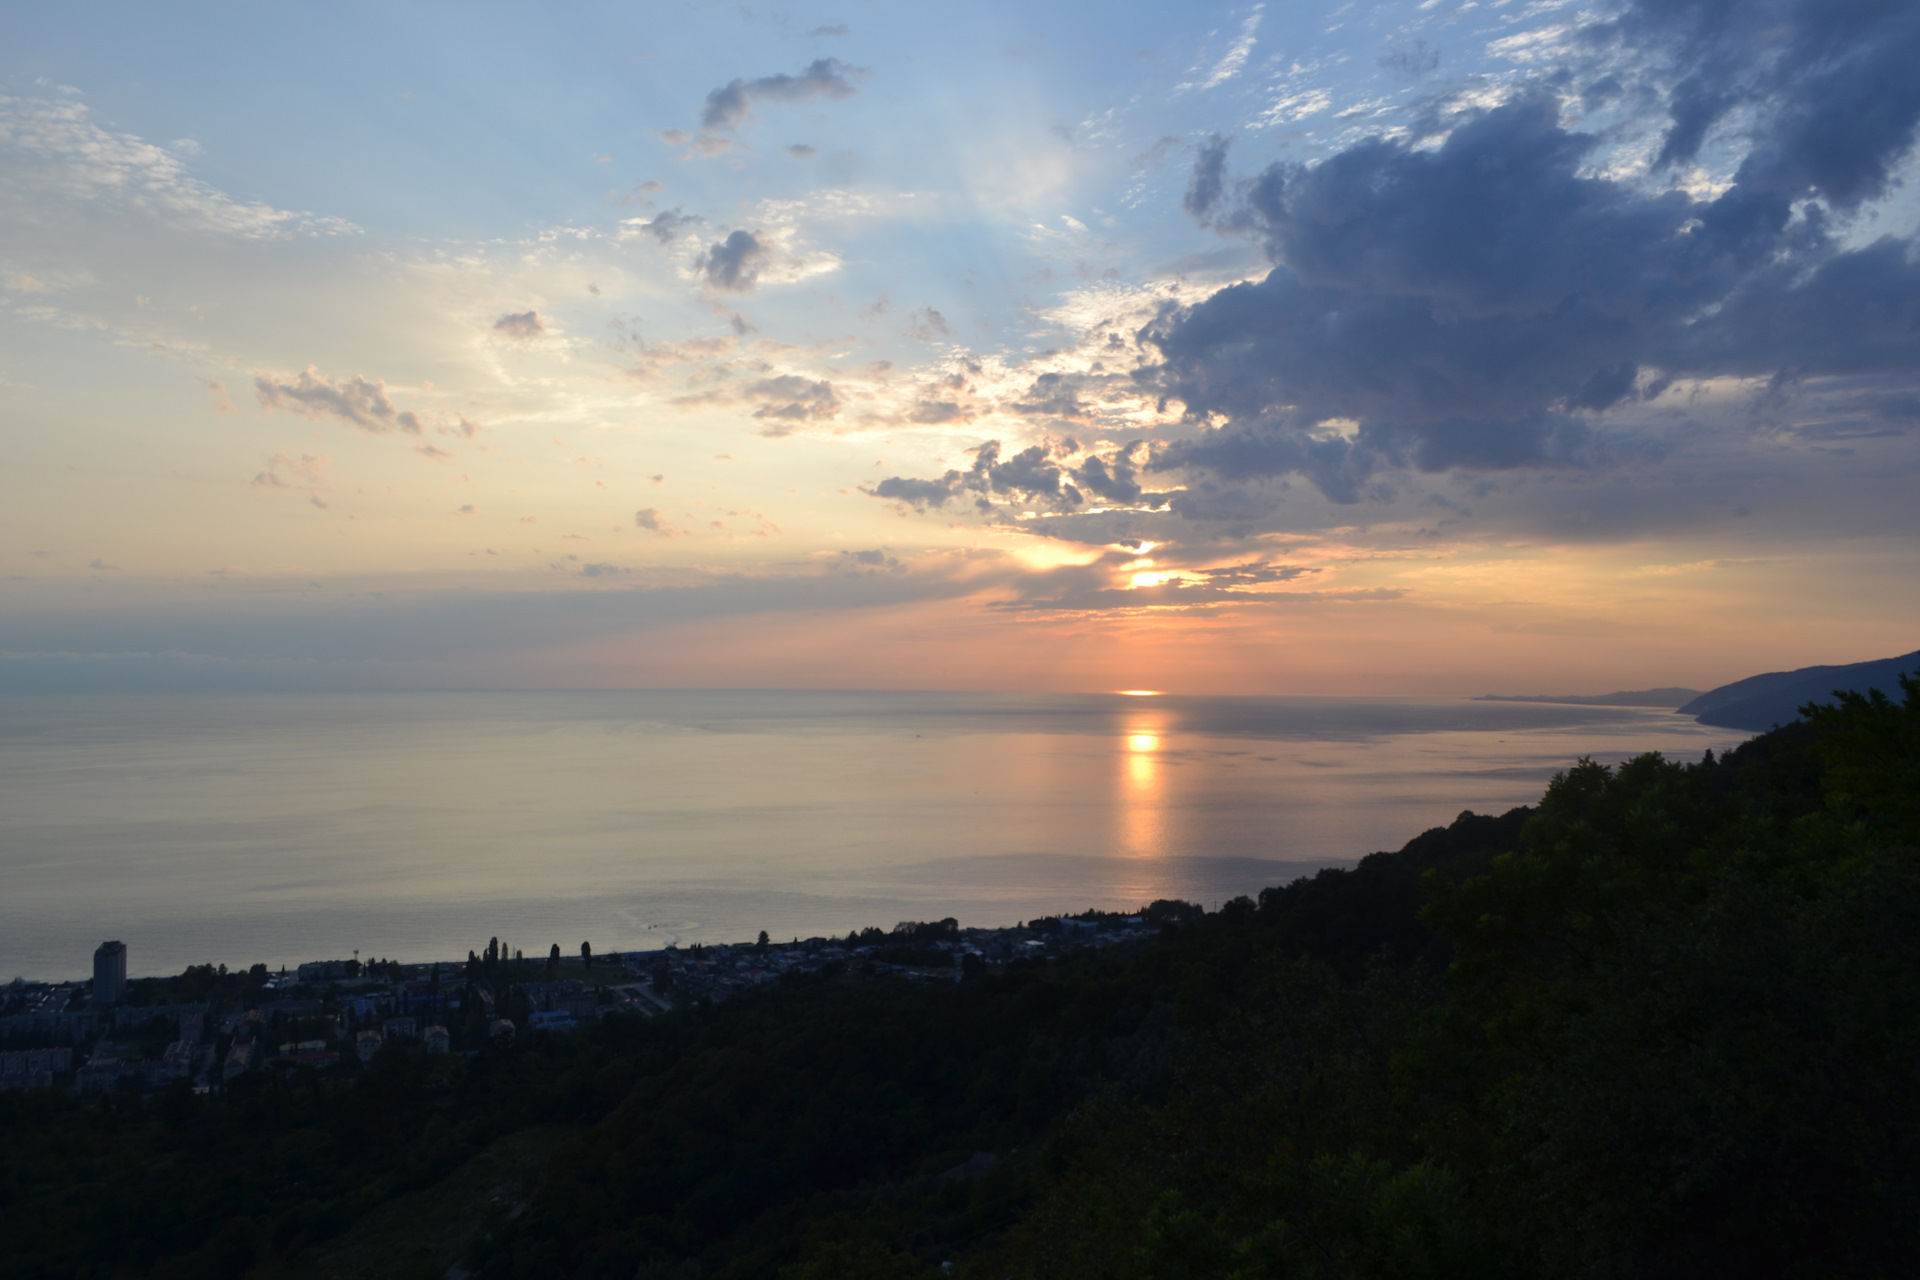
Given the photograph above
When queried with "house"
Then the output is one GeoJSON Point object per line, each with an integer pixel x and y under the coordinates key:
{"type": "Point", "coordinates": [318, 1059]}
{"type": "Point", "coordinates": [241, 1058]}
{"type": "Point", "coordinates": [327, 970]}
{"type": "Point", "coordinates": [408, 1027]}
{"type": "Point", "coordinates": [366, 1044]}
{"type": "Point", "coordinates": [175, 1064]}
{"type": "Point", "coordinates": [552, 1020]}
{"type": "Point", "coordinates": [438, 1041]}
{"type": "Point", "coordinates": [33, 1068]}
{"type": "Point", "coordinates": [502, 1029]}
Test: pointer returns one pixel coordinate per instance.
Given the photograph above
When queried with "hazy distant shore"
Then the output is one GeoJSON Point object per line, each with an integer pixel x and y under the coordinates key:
{"type": "Point", "coordinates": [1665, 699]}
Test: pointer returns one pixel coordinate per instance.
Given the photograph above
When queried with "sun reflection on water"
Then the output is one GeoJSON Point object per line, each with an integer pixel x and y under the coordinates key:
{"type": "Point", "coordinates": [1140, 791]}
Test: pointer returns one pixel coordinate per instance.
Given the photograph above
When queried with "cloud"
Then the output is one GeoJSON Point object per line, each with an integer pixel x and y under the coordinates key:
{"type": "Point", "coordinates": [927, 324]}
{"type": "Point", "coordinates": [933, 412]}
{"type": "Point", "coordinates": [1052, 395]}
{"type": "Point", "coordinates": [834, 29]}
{"type": "Point", "coordinates": [919, 493]}
{"type": "Point", "coordinates": [306, 474]}
{"type": "Point", "coordinates": [356, 400]}
{"type": "Point", "coordinates": [647, 518]}
{"type": "Point", "coordinates": [667, 227]}
{"type": "Point", "coordinates": [522, 326]}
{"type": "Point", "coordinates": [222, 402]}
{"type": "Point", "coordinates": [1031, 476]}
{"type": "Point", "coordinates": [801, 151]}
{"type": "Point", "coordinates": [874, 560]}
{"type": "Point", "coordinates": [789, 399]}
{"type": "Point", "coordinates": [1497, 300]}
{"type": "Point", "coordinates": [1826, 93]}
{"type": "Point", "coordinates": [1236, 55]}
{"type": "Point", "coordinates": [57, 149]}
{"type": "Point", "coordinates": [827, 78]}
{"type": "Point", "coordinates": [601, 570]}
{"type": "Point", "coordinates": [734, 264]}
{"type": "Point", "coordinates": [1411, 58]}
{"type": "Point", "coordinates": [1113, 481]}
{"type": "Point", "coordinates": [1209, 182]}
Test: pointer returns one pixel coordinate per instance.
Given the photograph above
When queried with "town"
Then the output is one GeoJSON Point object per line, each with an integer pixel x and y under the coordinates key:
{"type": "Point", "coordinates": [202, 1029]}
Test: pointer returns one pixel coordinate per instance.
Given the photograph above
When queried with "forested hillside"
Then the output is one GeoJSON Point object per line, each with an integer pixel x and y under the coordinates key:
{"type": "Point", "coordinates": [1665, 1023]}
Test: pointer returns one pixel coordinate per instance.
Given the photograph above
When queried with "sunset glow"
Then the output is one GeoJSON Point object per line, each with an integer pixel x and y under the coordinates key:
{"type": "Point", "coordinates": [929, 337]}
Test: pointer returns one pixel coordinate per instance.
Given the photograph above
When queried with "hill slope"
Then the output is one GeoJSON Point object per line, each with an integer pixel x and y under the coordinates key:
{"type": "Point", "coordinates": [1761, 702]}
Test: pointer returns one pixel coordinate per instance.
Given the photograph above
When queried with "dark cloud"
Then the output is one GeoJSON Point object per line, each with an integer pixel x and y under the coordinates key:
{"type": "Point", "coordinates": [647, 518]}
{"type": "Point", "coordinates": [828, 78]}
{"type": "Point", "coordinates": [1825, 92]}
{"type": "Point", "coordinates": [871, 561]}
{"type": "Point", "coordinates": [927, 324]}
{"type": "Point", "coordinates": [932, 412]}
{"type": "Point", "coordinates": [1112, 481]}
{"type": "Point", "coordinates": [1030, 476]}
{"type": "Point", "coordinates": [1486, 302]}
{"type": "Point", "coordinates": [734, 264]}
{"type": "Point", "coordinates": [834, 29]}
{"type": "Point", "coordinates": [669, 226]}
{"type": "Point", "coordinates": [1053, 395]}
{"type": "Point", "coordinates": [1036, 475]}
{"type": "Point", "coordinates": [788, 400]}
{"type": "Point", "coordinates": [1209, 183]}
{"type": "Point", "coordinates": [920, 493]}
{"type": "Point", "coordinates": [520, 326]}
{"type": "Point", "coordinates": [1411, 58]}
{"type": "Point", "coordinates": [363, 403]}
{"type": "Point", "coordinates": [801, 151]}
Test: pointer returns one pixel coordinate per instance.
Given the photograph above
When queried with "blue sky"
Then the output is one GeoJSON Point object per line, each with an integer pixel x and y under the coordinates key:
{"type": "Point", "coordinates": [1411, 347]}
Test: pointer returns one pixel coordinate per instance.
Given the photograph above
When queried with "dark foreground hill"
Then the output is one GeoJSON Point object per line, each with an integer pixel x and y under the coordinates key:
{"type": "Point", "coordinates": [1667, 1023]}
{"type": "Point", "coordinates": [1761, 702]}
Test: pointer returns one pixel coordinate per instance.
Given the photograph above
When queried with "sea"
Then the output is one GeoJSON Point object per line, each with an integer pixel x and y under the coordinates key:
{"type": "Point", "coordinates": [245, 828]}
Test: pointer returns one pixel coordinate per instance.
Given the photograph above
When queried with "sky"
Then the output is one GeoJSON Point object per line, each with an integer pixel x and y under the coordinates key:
{"type": "Point", "coordinates": [1449, 346]}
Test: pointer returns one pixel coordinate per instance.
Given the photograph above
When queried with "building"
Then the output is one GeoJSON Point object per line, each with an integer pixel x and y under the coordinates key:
{"type": "Point", "coordinates": [136, 1017]}
{"type": "Point", "coordinates": [366, 1044]}
{"type": "Point", "coordinates": [62, 1028]}
{"type": "Point", "coordinates": [109, 973]}
{"type": "Point", "coordinates": [327, 971]}
{"type": "Point", "coordinates": [407, 1027]}
{"type": "Point", "coordinates": [241, 1058]}
{"type": "Point", "coordinates": [34, 1068]}
{"type": "Point", "coordinates": [438, 1041]}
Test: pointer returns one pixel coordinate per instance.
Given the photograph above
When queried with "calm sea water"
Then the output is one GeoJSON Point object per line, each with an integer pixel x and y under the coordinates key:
{"type": "Point", "coordinates": [275, 828]}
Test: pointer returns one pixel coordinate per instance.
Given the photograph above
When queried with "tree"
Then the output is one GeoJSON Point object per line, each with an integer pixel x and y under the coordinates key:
{"type": "Point", "coordinates": [553, 959]}
{"type": "Point", "coordinates": [586, 954]}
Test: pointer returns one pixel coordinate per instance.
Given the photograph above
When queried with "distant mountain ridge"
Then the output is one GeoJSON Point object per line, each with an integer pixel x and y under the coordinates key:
{"type": "Point", "coordinates": [1668, 698]}
{"type": "Point", "coordinates": [1761, 702]}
